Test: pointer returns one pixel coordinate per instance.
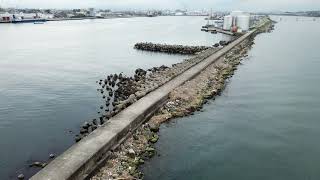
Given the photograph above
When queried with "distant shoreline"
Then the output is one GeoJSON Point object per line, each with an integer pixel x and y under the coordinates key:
{"type": "Point", "coordinates": [77, 19]}
{"type": "Point", "coordinates": [109, 17]}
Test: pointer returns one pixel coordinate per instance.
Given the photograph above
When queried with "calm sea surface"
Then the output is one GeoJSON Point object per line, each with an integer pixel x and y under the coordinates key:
{"type": "Point", "coordinates": [48, 74]}
{"type": "Point", "coordinates": [265, 126]}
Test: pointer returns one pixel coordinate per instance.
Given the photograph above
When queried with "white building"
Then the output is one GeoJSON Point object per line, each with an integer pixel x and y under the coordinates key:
{"type": "Point", "coordinates": [227, 22]}
{"type": "Point", "coordinates": [243, 22]}
{"type": "Point", "coordinates": [27, 15]}
{"type": "Point", "coordinates": [238, 19]}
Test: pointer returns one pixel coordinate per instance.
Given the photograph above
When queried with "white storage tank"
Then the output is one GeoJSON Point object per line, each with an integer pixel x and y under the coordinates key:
{"type": "Point", "coordinates": [243, 22]}
{"type": "Point", "coordinates": [227, 22]}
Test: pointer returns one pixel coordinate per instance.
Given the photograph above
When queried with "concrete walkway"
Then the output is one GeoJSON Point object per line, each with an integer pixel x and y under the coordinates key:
{"type": "Point", "coordinates": [85, 156]}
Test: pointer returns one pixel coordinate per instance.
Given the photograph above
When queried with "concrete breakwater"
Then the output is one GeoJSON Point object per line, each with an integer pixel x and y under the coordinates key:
{"type": "Point", "coordinates": [183, 101]}
{"type": "Point", "coordinates": [82, 158]}
{"type": "Point", "coordinates": [171, 49]}
{"type": "Point", "coordinates": [125, 162]}
{"type": "Point", "coordinates": [119, 91]}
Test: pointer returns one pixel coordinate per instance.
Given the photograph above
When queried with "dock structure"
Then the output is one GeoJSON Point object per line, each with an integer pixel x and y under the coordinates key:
{"type": "Point", "coordinates": [79, 161]}
{"type": "Point", "coordinates": [214, 29]}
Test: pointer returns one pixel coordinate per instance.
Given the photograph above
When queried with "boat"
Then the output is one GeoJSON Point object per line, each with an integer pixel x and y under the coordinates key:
{"type": "Point", "coordinates": [151, 14]}
{"type": "Point", "coordinates": [38, 22]}
{"type": "Point", "coordinates": [15, 21]}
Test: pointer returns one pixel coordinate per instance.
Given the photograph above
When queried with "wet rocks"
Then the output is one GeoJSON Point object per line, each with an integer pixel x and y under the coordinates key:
{"type": "Point", "coordinates": [131, 153]}
{"type": "Point", "coordinates": [154, 138]}
{"type": "Point", "coordinates": [94, 122]}
{"type": "Point", "coordinates": [154, 127]}
{"type": "Point", "coordinates": [84, 131]}
{"type": "Point", "coordinates": [150, 151]}
{"type": "Point", "coordinates": [20, 176]}
{"type": "Point", "coordinates": [38, 164]}
{"type": "Point", "coordinates": [101, 120]}
{"type": "Point", "coordinates": [216, 45]}
{"type": "Point", "coordinates": [156, 69]}
{"type": "Point", "coordinates": [94, 127]}
{"type": "Point", "coordinates": [78, 138]}
{"type": "Point", "coordinates": [224, 43]}
{"type": "Point", "coordinates": [86, 125]}
{"type": "Point", "coordinates": [140, 72]}
{"type": "Point", "coordinates": [171, 49]}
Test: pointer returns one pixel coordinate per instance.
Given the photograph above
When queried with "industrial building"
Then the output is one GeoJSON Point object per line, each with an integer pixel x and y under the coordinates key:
{"type": "Point", "coordinates": [23, 17]}
{"type": "Point", "coordinates": [6, 17]}
{"type": "Point", "coordinates": [237, 21]}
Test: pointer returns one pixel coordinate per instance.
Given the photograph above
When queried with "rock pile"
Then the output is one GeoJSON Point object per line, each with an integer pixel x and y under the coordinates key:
{"type": "Point", "coordinates": [224, 43]}
{"type": "Point", "coordinates": [171, 49]}
{"type": "Point", "coordinates": [119, 91]}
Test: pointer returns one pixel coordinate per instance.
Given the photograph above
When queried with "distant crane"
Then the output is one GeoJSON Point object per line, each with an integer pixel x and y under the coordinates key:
{"type": "Point", "coordinates": [210, 19]}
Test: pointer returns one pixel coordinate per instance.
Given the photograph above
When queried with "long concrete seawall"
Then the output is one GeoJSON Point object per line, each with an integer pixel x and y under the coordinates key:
{"type": "Point", "coordinates": [85, 156]}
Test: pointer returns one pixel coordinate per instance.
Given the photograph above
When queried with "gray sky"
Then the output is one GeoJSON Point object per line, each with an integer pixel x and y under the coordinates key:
{"type": "Point", "coordinates": [249, 5]}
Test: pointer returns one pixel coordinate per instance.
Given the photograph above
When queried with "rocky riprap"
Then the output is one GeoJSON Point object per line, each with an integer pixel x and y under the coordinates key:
{"type": "Point", "coordinates": [171, 49]}
{"type": "Point", "coordinates": [119, 91]}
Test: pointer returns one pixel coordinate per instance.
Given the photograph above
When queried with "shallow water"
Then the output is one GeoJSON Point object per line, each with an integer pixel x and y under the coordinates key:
{"type": "Point", "coordinates": [48, 74]}
{"type": "Point", "coordinates": [266, 123]}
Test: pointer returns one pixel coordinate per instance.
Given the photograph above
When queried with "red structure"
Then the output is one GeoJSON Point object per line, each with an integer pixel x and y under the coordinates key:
{"type": "Point", "coordinates": [6, 19]}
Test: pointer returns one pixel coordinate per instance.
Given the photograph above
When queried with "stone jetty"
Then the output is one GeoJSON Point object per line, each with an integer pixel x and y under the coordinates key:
{"type": "Point", "coordinates": [127, 147]}
{"type": "Point", "coordinates": [183, 101]}
{"type": "Point", "coordinates": [171, 49]}
{"type": "Point", "coordinates": [119, 91]}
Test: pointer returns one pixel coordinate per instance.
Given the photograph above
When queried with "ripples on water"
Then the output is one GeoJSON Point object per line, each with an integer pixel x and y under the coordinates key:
{"type": "Point", "coordinates": [48, 74]}
{"type": "Point", "coordinates": [264, 126]}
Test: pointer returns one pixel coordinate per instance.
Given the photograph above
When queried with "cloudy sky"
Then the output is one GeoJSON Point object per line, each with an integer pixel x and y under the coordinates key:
{"type": "Point", "coordinates": [249, 5]}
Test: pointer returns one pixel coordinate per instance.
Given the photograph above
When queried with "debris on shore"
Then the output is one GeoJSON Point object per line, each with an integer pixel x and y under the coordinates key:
{"type": "Point", "coordinates": [171, 49]}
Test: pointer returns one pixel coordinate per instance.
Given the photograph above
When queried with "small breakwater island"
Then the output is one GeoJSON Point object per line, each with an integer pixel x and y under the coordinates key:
{"type": "Point", "coordinates": [116, 144]}
{"type": "Point", "coordinates": [171, 49]}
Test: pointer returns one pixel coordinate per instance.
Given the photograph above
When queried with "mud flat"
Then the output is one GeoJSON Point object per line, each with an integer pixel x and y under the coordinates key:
{"type": "Point", "coordinates": [201, 77]}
